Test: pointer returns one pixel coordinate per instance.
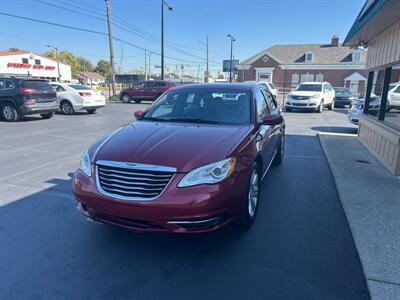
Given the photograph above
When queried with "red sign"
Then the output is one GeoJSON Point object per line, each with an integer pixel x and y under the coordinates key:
{"type": "Point", "coordinates": [28, 66]}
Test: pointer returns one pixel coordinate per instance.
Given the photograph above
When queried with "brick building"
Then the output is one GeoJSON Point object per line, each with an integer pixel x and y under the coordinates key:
{"type": "Point", "coordinates": [288, 65]}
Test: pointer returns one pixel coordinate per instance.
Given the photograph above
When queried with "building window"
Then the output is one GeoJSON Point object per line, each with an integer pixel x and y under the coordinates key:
{"type": "Point", "coordinates": [307, 77]}
{"type": "Point", "coordinates": [309, 57]}
{"type": "Point", "coordinates": [356, 56]}
{"type": "Point", "coordinates": [25, 61]}
{"type": "Point", "coordinates": [37, 62]}
{"type": "Point", "coordinates": [295, 79]}
{"type": "Point", "coordinates": [319, 77]}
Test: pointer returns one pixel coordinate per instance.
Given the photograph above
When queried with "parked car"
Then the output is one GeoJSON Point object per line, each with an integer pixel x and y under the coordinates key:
{"type": "Point", "coordinates": [269, 86]}
{"type": "Point", "coordinates": [26, 96]}
{"type": "Point", "coordinates": [192, 162]}
{"type": "Point", "coordinates": [393, 97]}
{"type": "Point", "coordinates": [356, 110]}
{"type": "Point", "coordinates": [311, 96]}
{"type": "Point", "coordinates": [146, 90]}
{"type": "Point", "coordinates": [343, 97]}
{"type": "Point", "coordinates": [73, 97]}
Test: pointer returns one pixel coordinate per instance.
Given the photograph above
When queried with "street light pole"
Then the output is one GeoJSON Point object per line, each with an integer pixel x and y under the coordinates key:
{"type": "Point", "coordinates": [207, 70]}
{"type": "Point", "coordinates": [230, 62]}
{"type": "Point", "coordinates": [58, 62]}
{"type": "Point", "coordinates": [163, 3]}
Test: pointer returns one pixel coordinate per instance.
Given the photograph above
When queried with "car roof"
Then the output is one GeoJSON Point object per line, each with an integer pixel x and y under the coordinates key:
{"type": "Point", "coordinates": [313, 82]}
{"type": "Point", "coordinates": [244, 87]}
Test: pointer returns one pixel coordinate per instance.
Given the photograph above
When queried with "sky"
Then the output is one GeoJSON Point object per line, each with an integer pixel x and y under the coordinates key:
{"type": "Point", "coordinates": [255, 24]}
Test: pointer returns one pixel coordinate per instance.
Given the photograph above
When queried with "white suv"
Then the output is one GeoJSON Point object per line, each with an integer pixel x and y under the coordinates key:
{"type": "Point", "coordinates": [311, 96]}
{"type": "Point", "coordinates": [393, 96]}
{"type": "Point", "coordinates": [74, 97]}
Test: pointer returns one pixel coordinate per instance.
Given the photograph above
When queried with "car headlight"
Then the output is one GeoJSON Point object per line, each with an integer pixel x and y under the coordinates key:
{"type": "Point", "coordinates": [209, 174]}
{"type": "Point", "coordinates": [85, 165]}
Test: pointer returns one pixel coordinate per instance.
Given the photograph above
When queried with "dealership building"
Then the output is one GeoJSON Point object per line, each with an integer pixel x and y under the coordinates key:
{"type": "Point", "coordinates": [24, 63]}
{"type": "Point", "coordinates": [377, 28]}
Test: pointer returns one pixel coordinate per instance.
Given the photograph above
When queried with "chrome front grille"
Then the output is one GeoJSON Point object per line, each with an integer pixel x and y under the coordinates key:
{"type": "Point", "coordinates": [300, 97]}
{"type": "Point", "coordinates": [131, 181]}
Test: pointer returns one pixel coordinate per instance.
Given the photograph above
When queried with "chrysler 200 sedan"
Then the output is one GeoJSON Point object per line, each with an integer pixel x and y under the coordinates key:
{"type": "Point", "coordinates": [192, 162]}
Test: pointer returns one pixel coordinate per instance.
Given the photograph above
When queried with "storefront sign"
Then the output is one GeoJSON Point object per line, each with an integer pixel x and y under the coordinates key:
{"type": "Point", "coordinates": [29, 66]}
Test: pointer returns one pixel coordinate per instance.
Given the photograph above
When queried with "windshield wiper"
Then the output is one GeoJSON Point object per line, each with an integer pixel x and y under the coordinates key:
{"type": "Point", "coordinates": [193, 120]}
{"type": "Point", "coordinates": [154, 119]}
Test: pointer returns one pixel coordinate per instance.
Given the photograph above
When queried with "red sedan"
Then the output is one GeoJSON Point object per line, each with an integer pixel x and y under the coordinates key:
{"type": "Point", "coordinates": [192, 162]}
{"type": "Point", "coordinates": [146, 90]}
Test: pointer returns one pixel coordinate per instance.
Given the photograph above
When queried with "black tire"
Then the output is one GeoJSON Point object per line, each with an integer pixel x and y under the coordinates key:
{"type": "Point", "coordinates": [91, 111]}
{"type": "Point", "coordinates": [137, 101]}
{"type": "Point", "coordinates": [289, 109]}
{"type": "Point", "coordinates": [125, 98]}
{"type": "Point", "coordinates": [332, 106]}
{"type": "Point", "coordinates": [388, 108]}
{"type": "Point", "coordinates": [281, 151]}
{"type": "Point", "coordinates": [320, 107]}
{"type": "Point", "coordinates": [9, 112]}
{"type": "Point", "coordinates": [66, 107]}
{"type": "Point", "coordinates": [48, 115]}
{"type": "Point", "coordinates": [248, 217]}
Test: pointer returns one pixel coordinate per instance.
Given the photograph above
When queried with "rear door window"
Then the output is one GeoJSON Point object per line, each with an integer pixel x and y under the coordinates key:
{"type": "Point", "coordinates": [261, 106]}
{"type": "Point", "coordinates": [79, 87]}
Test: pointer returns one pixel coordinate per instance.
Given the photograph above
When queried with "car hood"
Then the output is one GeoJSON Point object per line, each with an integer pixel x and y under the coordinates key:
{"type": "Point", "coordinates": [347, 95]}
{"type": "Point", "coordinates": [304, 93]}
{"type": "Point", "coordinates": [182, 146]}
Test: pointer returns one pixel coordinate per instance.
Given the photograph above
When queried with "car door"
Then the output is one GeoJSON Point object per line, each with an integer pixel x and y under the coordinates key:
{"type": "Point", "coordinates": [395, 97]}
{"type": "Point", "coordinates": [327, 94]}
{"type": "Point", "coordinates": [274, 109]}
{"type": "Point", "coordinates": [151, 89]}
{"type": "Point", "coordinates": [264, 138]}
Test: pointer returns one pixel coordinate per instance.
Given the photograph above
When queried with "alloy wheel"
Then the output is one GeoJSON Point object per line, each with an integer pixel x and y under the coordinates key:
{"type": "Point", "coordinates": [9, 112]}
{"type": "Point", "coordinates": [67, 109]}
{"type": "Point", "coordinates": [126, 98]}
{"type": "Point", "coordinates": [253, 194]}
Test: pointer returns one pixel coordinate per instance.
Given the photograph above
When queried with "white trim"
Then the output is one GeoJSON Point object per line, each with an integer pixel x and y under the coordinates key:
{"type": "Point", "coordinates": [260, 71]}
{"type": "Point", "coordinates": [312, 56]}
{"type": "Point", "coordinates": [355, 77]}
{"type": "Point", "coordinates": [323, 67]}
{"type": "Point", "coordinates": [259, 55]}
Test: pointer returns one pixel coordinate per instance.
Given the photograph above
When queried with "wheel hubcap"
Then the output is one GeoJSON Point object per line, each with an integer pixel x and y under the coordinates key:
{"type": "Point", "coordinates": [66, 109]}
{"type": "Point", "coordinates": [125, 98]}
{"type": "Point", "coordinates": [8, 112]}
{"type": "Point", "coordinates": [253, 194]}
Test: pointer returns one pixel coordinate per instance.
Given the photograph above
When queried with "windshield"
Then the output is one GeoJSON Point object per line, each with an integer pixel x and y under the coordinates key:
{"type": "Point", "coordinates": [271, 85]}
{"type": "Point", "coordinates": [213, 106]}
{"type": "Point", "coordinates": [79, 87]}
{"type": "Point", "coordinates": [341, 90]}
{"type": "Point", "coordinates": [309, 88]}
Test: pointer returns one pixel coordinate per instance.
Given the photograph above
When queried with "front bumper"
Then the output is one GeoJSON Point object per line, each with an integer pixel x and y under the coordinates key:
{"type": "Point", "coordinates": [354, 115]}
{"type": "Point", "coordinates": [302, 105]}
{"type": "Point", "coordinates": [195, 209]}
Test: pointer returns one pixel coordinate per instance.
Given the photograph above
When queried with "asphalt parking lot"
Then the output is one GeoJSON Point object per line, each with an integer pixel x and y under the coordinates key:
{"type": "Point", "coordinates": [300, 246]}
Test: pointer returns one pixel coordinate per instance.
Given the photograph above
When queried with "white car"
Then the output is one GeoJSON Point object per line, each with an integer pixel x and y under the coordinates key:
{"type": "Point", "coordinates": [311, 96]}
{"type": "Point", "coordinates": [356, 110]}
{"type": "Point", "coordinates": [73, 97]}
{"type": "Point", "coordinates": [393, 96]}
{"type": "Point", "coordinates": [269, 86]}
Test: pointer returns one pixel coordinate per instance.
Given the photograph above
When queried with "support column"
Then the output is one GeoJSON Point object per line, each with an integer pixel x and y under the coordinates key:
{"type": "Point", "coordinates": [385, 90]}
{"type": "Point", "coordinates": [368, 92]}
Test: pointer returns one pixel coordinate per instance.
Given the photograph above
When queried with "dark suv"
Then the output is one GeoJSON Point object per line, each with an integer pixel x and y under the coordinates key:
{"type": "Point", "coordinates": [26, 96]}
{"type": "Point", "coordinates": [146, 90]}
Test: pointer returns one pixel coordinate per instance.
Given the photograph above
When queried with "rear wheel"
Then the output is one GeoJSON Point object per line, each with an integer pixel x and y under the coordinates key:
{"type": "Point", "coordinates": [388, 108]}
{"type": "Point", "coordinates": [66, 108]}
{"type": "Point", "coordinates": [280, 151]}
{"type": "Point", "coordinates": [9, 112]}
{"type": "Point", "coordinates": [126, 98]}
{"type": "Point", "coordinates": [91, 111]}
{"type": "Point", "coordinates": [252, 198]}
{"type": "Point", "coordinates": [48, 115]}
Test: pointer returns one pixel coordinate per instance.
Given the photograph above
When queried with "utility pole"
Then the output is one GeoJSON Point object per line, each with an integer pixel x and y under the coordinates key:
{"type": "Point", "coordinates": [207, 74]}
{"type": "Point", "coordinates": [58, 62]}
{"type": "Point", "coordinates": [163, 3]}
{"type": "Point", "coordinates": [145, 64]}
{"type": "Point", "coordinates": [198, 73]}
{"type": "Point", "coordinates": [230, 63]}
{"type": "Point", "coordinates": [150, 65]}
{"type": "Point", "coordinates": [110, 41]}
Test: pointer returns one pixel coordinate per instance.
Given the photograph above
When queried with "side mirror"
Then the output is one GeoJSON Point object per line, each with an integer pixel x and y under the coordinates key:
{"type": "Point", "coordinates": [138, 114]}
{"type": "Point", "coordinates": [272, 120]}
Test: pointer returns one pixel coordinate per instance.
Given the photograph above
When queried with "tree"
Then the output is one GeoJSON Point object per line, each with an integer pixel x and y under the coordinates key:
{"type": "Point", "coordinates": [84, 65]}
{"type": "Point", "coordinates": [103, 68]}
{"type": "Point", "coordinates": [13, 49]}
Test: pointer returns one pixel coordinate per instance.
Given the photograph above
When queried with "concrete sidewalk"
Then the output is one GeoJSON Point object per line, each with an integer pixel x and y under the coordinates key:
{"type": "Point", "coordinates": [370, 196]}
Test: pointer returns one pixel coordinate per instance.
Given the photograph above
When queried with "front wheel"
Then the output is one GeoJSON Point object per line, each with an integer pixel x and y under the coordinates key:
{"type": "Point", "coordinates": [91, 111]}
{"type": "Point", "coordinates": [126, 98]}
{"type": "Point", "coordinates": [137, 101]}
{"type": "Point", "coordinates": [332, 106]}
{"type": "Point", "coordinates": [280, 150]}
{"type": "Point", "coordinates": [47, 116]}
{"type": "Point", "coordinates": [9, 112]}
{"type": "Point", "coordinates": [252, 197]}
{"type": "Point", "coordinates": [388, 108]}
{"type": "Point", "coordinates": [321, 107]}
